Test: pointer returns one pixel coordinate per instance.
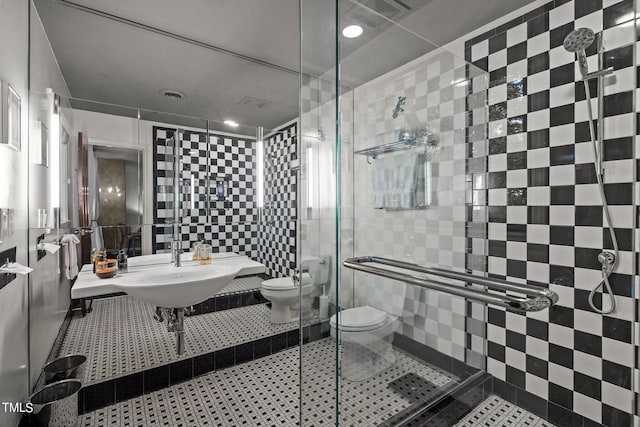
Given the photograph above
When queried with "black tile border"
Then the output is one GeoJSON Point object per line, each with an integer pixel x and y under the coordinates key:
{"type": "Point", "coordinates": [105, 393]}
{"type": "Point", "coordinates": [229, 301]}
{"type": "Point", "coordinates": [453, 404]}
{"type": "Point", "coordinates": [434, 357]}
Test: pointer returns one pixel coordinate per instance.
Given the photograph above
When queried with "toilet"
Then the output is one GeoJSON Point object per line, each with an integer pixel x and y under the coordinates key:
{"type": "Point", "coordinates": [365, 335]}
{"type": "Point", "coordinates": [285, 295]}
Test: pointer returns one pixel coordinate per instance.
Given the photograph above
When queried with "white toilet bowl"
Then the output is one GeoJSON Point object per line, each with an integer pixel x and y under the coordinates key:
{"type": "Point", "coordinates": [284, 296]}
{"type": "Point", "coordinates": [366, 334]}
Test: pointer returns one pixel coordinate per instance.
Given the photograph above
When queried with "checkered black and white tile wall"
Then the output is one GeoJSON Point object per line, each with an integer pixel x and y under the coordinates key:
{"type": "Point", "coordinates": [277, 234]}
{"type": "Point", "coordinates": [230, 225]}
{"type": "Point", "coordinates": [438, 235]}
{"type": "Point", "coordinates": [545, 218]}
{"type": "Point", "coordinates": [233, 223]}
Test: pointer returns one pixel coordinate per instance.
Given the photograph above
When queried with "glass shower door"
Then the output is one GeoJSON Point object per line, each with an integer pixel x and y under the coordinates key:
{"type": "Point", "coordinates": [413, 141]}
{"type": "Point", "coordinates": [393, 140]}
{"type": "Point", "coordinates": [318, 149]}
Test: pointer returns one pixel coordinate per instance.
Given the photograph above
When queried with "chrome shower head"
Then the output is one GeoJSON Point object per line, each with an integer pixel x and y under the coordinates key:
{"type": "Point", "coordinates": [578, 41]}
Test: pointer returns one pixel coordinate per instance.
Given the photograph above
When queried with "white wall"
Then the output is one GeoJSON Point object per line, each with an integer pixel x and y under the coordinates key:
{"type": "Point", "coordinates": [49, 293]}
{"type": "Point", "coordinates": [31, 308]}
{"type": "Point", "coordinates": [14, 382]}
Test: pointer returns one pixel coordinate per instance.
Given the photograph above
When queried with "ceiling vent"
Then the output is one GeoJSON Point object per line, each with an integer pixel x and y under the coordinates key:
{"type": "Point", "coordinates": [390, 9]}
{"type": "Point", "coordinates": [254, 103]}
{"type": "Point", "coordinates": [173, 94]}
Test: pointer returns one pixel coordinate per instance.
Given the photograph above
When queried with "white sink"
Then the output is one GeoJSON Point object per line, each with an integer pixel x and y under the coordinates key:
{"type": "Point", "coordinates": [173, 287]}
{"type": "Point", "coordinates": [153, 279]}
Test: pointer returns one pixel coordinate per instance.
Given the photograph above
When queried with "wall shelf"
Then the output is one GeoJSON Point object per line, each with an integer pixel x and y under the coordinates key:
{"type": "Point", "coordinates": [397, 141]}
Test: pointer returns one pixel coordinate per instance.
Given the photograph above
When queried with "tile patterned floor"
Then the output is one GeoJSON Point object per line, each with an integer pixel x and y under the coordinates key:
{"type": "Point", "coordinates": [264, 392]}
{"type": "Point", "coordinates": [497, 412]}
{"type": "Point", "coordinates": [120, 336]}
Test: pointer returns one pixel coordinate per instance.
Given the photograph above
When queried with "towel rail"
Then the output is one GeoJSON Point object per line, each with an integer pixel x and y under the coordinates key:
{"type": "Point", "coordinates": [536, 299]}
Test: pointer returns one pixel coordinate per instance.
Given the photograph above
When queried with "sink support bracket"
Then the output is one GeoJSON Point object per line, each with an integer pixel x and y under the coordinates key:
{"type": "Point", "coordinates": [180, 331]}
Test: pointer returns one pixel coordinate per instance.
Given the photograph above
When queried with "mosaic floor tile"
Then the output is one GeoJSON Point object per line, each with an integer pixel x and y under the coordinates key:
{"type": "Point", "coordinates": [497, 412]}
{"type": "Point", "coordinates": [120, 336]}
{"type": "Point", "coordinates": [264, 392]}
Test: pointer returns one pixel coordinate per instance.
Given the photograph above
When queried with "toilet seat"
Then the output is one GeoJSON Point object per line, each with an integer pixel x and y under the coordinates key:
{"type": "Point", "coordinates": [279, 284]}
{"type": "Point", "coordinates": [363, 318]}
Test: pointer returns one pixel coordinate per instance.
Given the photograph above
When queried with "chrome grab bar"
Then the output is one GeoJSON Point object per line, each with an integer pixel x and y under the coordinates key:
{"type": "Point", "coordinates": [536, 299]}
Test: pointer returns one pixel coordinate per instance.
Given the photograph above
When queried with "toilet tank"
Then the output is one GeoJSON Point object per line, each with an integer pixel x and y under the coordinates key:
{"type": "Point", "coordinates": [318, 268]}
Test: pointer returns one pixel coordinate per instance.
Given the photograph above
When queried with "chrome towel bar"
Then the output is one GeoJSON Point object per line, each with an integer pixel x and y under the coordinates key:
{"type": "Point", "coordinates": [536, 299]}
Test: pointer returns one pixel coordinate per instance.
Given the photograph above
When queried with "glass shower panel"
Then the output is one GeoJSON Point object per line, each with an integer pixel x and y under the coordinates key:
{"type": "Point", "coordinates": [413, 117]}
{"type": "Point", "coordinates": [318, 215]}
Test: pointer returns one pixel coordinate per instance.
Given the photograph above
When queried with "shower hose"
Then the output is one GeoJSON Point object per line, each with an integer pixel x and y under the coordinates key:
{"type": "Point", "coordinates": [607, 268]}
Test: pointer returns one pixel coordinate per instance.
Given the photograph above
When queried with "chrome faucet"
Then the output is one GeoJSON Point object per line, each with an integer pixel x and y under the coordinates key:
{"type": "Point", "coordinates": [176, 251]}
{"type": "Point", "coordinates": [398, 108]}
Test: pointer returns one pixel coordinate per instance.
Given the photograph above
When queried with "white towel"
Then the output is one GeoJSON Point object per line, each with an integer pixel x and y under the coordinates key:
{"type": "Point", "coordinates": [398, 183]}
{"type": "Point", "coordinates": [69, 241]}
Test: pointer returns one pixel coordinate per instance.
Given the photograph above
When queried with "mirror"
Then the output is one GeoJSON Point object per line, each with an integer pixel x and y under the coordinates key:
{"type": "Point", "coordinates": [150, 178]}
{"type": "Point", "coordinates": [119, 195]}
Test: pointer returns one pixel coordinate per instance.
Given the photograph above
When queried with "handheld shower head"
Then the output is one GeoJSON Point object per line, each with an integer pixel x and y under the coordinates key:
{"type": "Point", "coordinates": [578, 41]}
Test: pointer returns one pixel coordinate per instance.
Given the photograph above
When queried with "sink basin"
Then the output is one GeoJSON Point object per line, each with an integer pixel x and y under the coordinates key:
{"type": "Point", "coordinates": [171, 287]}
{"type": "Point", "coordinates": [155, 274]}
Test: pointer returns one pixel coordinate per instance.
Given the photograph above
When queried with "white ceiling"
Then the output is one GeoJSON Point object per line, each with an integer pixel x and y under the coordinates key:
{"type": "Point", "coordinates": [110, 61]}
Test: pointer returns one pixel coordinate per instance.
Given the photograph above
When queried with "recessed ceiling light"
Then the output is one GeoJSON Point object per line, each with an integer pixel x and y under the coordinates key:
{"type": "Point", "coordinates": [352, 31]}
{"type": "Point", "coordinates": [173, 94]}
{"type": "Point", "coordinates": [231, 123]}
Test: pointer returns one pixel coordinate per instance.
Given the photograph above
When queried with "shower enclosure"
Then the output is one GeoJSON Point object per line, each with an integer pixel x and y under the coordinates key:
{"type": "Point", "coordinates": [393, 156]}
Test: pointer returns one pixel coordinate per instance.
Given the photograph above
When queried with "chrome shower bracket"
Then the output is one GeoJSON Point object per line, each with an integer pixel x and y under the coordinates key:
{"type": "Point", "coordinates": [608, 260]}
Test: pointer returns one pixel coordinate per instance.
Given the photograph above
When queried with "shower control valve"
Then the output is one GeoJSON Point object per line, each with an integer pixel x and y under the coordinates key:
{"type": "Point", "coordinates": [607, 259]}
